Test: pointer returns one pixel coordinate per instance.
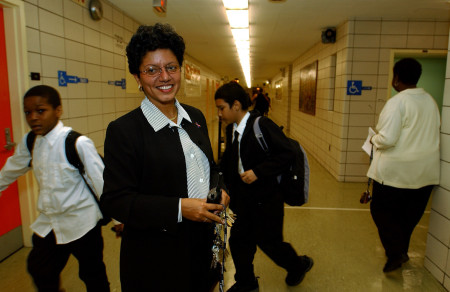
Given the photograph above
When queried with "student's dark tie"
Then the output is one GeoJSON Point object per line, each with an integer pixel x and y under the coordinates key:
{"type": "Point", "coordinates": [235, 151]}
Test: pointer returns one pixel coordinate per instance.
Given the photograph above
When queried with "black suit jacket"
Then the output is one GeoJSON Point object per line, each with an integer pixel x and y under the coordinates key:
{"type": "Point", "coordinates": [144, 177]}
{"type": "Point", "coordinates": [265, 166]}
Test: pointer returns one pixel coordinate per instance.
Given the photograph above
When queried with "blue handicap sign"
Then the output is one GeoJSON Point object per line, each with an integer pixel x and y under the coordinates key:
{"type": "Point", "coordinates": [63, 79]}
{"type": "Point", "coordinates": [354, 87]}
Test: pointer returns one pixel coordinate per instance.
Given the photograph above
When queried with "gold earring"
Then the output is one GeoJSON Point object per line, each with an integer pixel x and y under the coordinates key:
{"type": "Point", "coordinates": [140, 87]}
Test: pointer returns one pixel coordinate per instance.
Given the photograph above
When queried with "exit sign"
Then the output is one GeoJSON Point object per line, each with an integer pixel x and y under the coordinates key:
{"type": "Point", "coordinates": [81, 2]}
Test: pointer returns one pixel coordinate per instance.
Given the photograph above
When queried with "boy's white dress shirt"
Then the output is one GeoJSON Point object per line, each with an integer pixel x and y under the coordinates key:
{"type": "Point", "coordinates": [65, 203]}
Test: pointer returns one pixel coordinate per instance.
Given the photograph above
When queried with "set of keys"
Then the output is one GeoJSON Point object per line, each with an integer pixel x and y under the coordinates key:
{"type": "Point", "coordinates": [219, 246]}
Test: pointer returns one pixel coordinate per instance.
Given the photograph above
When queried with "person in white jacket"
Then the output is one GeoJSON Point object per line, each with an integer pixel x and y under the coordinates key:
{"type": "Point", "coordinates": [68, 213]}
{"type": "Point", "coordinates": [405, 165]}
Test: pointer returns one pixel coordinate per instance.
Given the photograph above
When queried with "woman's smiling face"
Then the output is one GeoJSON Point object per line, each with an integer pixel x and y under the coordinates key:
{"type": "Point", "coordinates": [161, 88]}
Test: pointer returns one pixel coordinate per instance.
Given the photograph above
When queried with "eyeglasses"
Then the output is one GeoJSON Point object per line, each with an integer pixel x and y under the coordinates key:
{"type": "Point", "coordinates": [156, 70]}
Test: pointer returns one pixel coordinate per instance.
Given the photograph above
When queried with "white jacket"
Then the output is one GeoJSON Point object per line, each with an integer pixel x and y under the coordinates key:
{"type": "Point", "coordinates": [407, 143]}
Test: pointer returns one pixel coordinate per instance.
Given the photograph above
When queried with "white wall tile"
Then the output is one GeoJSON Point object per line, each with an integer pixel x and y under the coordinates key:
{"type": "Point", "coordinates": [365, 67]}
{"type": "Point", "coordinates": [77, 91]}
{"type": "Point", "coordinates": [34, 62]}
{"type": "Point", "coordinates": [436, 252]}
{"type": "Point", "coordinates": [92, 55]}
{"type": "Point", "coordinates": [367, 27]}
{"type": "Point", "coordinates": [90, 23]}
{"type": "Point", "coordinates": [109, 105]}
{"type": "Point", "coordinates": [106, 59]}
{"type": "Point", "coordinates": [73, 11]}
{"type": "Point", "coordinates": [107, 10]}
{"type": "Point", "coordinates": [128, 23]}
{"type": "Point", "coordinates": [366, 41]}
{"type": "Point", "coordinates": [74, 51]}
{"type": "Point", "coordinates": [119, 62]}
{"type": "Point", "coordinates": [77, 108]}
{"type": "Point", "coordinates": [76, 68]}
{"type": "Point", "coordinates": [79, 124]}
{"type": "Point", "coordinates": [441, 28]}
{"type": "Point", "coordinates": [445, 147]}
{"type": "Point", "coordinates": [433, 269]}
{"type": "Point", "coordinates": [366, 54]}
{"type": "Point", "coordinates": [51, 66]}
{"type": "Point", "coordinates": [107, 74]}
{"type": "Point", "coordinates": [421, 27]}
{"type": "Point", "coordinates": [33, 40]}
{"type": "Point", "coordinates": [419, 41]}
{"type": "Point", "coordinates": [94, 90]}
{"type": "Point", "coordinates": [95, 123]}
{"type": "Point", "coordinates": [447, 282]}
{"type": "Point", "coordinates": [55, 6]}
{"type": "Point", "coordinates": [51, 23]}
{"type": "Point", "coordinates": [91, 37]}
{"type": "Point", "coordinates": [445, 174]}
{"type": "Point", "coordinates": [441, 201]}
{"type": "Point", "coordinates": [393, 41]}
{"type": "Point", "coordinates": [439, 227]}
{"type": "Point", "coordinates": [52, 45]}
{"type": "Point", "coordinates": [31, 15]}
{"type": "Point", "coordinates": [445, 124]}
{"type": "Point", "coordinates": [447, 270]}
{"type": "Point", "coordinates": [117, 31]}
{"type": "Point", "coordinates": [394, 27]}
{"type": "Point", "coordinates": [73, 30]}
{"type": "Point", "coordinates": [117, 17]}
{"type": "Point", "coordinates": [106, 27]}
{"type": "Point", "coordinates": [106, 43]}
{"type": "Point", "coordinates": [95, 106]}
{"type": "Point", "coordinates": [93, 73]}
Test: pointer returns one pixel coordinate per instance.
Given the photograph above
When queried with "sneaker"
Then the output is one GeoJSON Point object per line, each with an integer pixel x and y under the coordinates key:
{"type": "Point", "coordinates": [296, 276]}
{"type": "Point", "coordinates": [245, 286]}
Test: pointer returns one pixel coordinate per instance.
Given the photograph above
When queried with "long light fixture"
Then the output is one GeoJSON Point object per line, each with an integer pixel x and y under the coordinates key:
{"type": "Point", "coordinates": [237, 13]}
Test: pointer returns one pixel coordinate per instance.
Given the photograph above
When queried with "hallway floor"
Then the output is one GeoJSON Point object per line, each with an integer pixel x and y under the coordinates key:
{"type": "Point", "coordinates": [333, 228]}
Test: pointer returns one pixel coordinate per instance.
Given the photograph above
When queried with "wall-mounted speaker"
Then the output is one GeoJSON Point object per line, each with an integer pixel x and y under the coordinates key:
{"type": "Point", "coordinates": [329, 36]}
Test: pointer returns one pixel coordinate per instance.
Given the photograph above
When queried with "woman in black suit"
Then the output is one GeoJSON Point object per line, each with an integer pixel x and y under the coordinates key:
{"type": "Point", "coordinates": [159, 169]}
{"type": "Point", "coordinates": [251, 177]}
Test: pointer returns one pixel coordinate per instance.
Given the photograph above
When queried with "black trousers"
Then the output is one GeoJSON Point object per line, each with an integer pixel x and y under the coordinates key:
{"type": "Point", "coordinates": [47, 259]}
{"type": "Point", "coordinates": [396, 213]}
{"type": "Point", "coordinates": [259, 224]}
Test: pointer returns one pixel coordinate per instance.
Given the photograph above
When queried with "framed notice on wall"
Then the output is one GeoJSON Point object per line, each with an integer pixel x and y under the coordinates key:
{"type": "Point", "coordinates": [308, 89]}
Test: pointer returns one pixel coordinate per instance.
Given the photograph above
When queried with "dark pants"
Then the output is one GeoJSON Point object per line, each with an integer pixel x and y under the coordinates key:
{"type": "Point", "coordinates": [396, 213]}
{"type": "Point", "coordinates": [47, 259]}
{"type": "Point", "coordinates": [259, 224]}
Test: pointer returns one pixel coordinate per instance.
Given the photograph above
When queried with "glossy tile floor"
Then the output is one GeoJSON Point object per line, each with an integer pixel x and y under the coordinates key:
{"type": "Point", "coordinates": [333, 228]}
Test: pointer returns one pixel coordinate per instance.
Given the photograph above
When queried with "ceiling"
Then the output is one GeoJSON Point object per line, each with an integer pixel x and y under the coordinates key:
{"type": "Point", "coordinates": [280, 31]}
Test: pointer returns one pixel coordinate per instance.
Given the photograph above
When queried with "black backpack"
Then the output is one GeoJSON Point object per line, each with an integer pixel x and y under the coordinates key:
{"type": "Point", "coordinates": [73, 158]}
{"type": "Point", "coordinates": [294, 184]}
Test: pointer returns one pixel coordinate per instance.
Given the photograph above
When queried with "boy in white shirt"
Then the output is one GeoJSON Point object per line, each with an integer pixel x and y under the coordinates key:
{"type": "Point", "coordinates": [69, 214]}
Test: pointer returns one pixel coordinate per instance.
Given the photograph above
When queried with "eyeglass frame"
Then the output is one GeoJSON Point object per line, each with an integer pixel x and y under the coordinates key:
{"type": "Point", "coordinates": [159, 72]}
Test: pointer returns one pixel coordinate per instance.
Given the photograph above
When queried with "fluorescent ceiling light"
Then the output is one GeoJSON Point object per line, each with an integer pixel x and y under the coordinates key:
{"type": "Point", "coordinates": [240, 34]}
{"type": "Point", "coordinates": [238, 18]}
{"type": "Point", "coordinates": [235, 4]}
{"type": "Point", "coordinates": [242, 44]}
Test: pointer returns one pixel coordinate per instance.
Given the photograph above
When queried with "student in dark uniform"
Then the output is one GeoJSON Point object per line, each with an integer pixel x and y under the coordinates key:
{"type": "Point", "coordinates": [251, 177]}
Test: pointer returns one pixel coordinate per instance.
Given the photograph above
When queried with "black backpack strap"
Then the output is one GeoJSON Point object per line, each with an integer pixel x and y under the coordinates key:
{"type": "Point", "coordinates": [71, 151]}
{"type": "Point", "coordinates": [31, 137]}
{"type": "Point", "coordinates": [74, 158]}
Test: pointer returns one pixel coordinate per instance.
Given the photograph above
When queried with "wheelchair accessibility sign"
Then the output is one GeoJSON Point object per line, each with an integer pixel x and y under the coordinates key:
{"type": "Point", "coordinates": [63, 79]}
{"type": "Point", "coordinates": [354, 87]}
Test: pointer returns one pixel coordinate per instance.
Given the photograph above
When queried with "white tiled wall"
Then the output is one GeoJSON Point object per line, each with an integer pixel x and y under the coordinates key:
{"type": "Point", "coordinates": [363, 51]}
{"type": "Point", "coordinates": [62, 36]}
{"type": "Point", "coordinates": [438, 244]}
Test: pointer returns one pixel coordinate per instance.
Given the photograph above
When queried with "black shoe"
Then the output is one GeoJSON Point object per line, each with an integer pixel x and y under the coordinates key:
{"type": "Point", "coordinates": [393, 264]}
{"type": "Point", "coordinates": [296, 276]}
{"type": "Point", "coordinates": [251, 286]}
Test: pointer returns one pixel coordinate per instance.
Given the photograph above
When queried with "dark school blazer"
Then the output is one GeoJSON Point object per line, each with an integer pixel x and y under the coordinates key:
{"type": "Point", "coordinates": [144, 177]}
{"type": "Point", "coordinates": [266, 167]}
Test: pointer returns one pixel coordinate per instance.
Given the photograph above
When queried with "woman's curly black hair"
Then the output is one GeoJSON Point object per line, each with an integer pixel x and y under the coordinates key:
{"type": "Point", "coordinates": [150, 38]}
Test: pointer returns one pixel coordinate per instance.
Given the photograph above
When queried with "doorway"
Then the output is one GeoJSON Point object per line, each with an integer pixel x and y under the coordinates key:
{"type": "Point", "coordinates": [434, 64]}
